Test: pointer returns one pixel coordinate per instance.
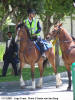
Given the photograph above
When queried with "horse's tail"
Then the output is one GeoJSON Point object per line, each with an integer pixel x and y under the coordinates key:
{"type": "Point", "coordinates": [45, 63]}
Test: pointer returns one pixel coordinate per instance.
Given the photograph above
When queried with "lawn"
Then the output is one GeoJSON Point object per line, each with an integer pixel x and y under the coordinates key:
{"type": "Point", "coordinates": [27, 74]}
{"type": "Point", "coordinates": [2, 50]}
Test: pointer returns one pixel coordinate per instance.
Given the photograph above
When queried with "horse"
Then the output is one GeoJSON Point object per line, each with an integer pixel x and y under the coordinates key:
{"type": "Point", "coordinates": [67, 45]}
{"type": "Point", "coordinates": [29, 54]}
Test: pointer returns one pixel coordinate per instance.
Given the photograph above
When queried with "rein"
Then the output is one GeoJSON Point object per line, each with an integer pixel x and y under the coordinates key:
{"type": "Point", "coordinates": [64, 41]}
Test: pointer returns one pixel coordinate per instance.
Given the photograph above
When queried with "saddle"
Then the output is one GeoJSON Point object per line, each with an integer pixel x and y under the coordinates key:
{"type": "Point", "coordinates": [43, 45]}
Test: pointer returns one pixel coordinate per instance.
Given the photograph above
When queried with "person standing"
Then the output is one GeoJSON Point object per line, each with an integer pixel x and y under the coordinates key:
{"type": "Point", "coordinates": [10, 55]}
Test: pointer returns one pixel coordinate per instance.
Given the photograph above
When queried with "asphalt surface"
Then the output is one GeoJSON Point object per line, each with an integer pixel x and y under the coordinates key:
{"type": "Point", "coordinates": [12, 90]}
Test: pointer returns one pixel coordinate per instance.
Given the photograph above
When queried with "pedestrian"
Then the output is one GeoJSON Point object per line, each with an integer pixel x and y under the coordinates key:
{"type": "Point", "coordinates": [10, 55]}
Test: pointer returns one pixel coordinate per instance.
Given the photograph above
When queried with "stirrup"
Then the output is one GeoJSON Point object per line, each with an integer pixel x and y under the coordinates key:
{"type": "Point", "coordinates": [43, 55]}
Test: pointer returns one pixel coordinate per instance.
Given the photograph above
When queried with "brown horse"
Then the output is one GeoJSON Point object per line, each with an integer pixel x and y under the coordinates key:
{"type": "Point", "coordinates": [29, 54]}
{"type": "Point", "coordinates": [67, 46]}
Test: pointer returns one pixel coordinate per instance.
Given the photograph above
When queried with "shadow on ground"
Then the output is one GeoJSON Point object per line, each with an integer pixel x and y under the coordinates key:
{"type": "Point", "coordinates": [13, 88]}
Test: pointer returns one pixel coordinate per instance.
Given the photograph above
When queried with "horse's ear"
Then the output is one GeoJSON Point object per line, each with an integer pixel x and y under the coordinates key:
{"type": "Point", "coordinates": [60, 25]}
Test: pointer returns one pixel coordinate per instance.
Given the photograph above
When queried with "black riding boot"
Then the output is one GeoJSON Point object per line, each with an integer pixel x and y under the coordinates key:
{"type": "Point", "coordinates": [41, 45]}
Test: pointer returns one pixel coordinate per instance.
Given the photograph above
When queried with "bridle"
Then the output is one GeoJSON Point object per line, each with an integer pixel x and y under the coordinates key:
{"type": "Point", "coordinates": [22, 38]}
{"type": "Point", "coordinates": [58, 32]}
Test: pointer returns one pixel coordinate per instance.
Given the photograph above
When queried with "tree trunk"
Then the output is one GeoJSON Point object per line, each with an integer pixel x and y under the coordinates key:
{"type": "Point", "coordinates": [71, 26]}
{"type": "Point", "coordinates": [57, 53]}
{"type": "Point", "coordinates": [46, 25]}
{"type": "Point", "coordinates": [1, 37]}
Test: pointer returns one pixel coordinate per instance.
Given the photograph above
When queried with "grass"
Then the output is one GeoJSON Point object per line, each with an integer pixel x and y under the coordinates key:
{"type": "Point", "coordinates": [27, 74]}
{"type": "Point", "coordinates": [2, 50]}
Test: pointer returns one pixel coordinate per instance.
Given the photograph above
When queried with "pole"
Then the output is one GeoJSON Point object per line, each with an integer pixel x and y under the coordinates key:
{"type": "Point", "coordinates": [71, 26]}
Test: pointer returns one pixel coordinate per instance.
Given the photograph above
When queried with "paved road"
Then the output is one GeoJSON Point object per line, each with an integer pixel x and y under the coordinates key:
{"type": "Point", "coordinates": [48, 92]}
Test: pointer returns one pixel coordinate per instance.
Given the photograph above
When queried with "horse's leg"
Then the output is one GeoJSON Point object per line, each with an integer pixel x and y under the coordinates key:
{"type": "Point", "coordinates": [51, 57]}
{"type": "Point", "coordinates": [22, 83]}
{"type": "Point", "coordinates": [32, 75]}
{"type": "Point", "coordinates": [69, 84]}
{"type": "Point", "coordinates": [40, 65]}
{"type": "Point", "coordinates": [69, 77]}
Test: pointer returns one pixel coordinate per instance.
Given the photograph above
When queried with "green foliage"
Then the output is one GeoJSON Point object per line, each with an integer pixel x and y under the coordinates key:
{"type": "Point", "coordinates": [5, 30]}
{"type": "Point", "coordinates": [44, 8]}
{"type": "Point", "coordinates": [2, 11]}
{"type": "Point", "coordinates": [58, 7]}
{"type": "Point", "coordinates": [5, 33]}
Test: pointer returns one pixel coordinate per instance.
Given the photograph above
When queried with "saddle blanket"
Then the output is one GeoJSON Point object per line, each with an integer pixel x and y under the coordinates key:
{"type": "Point", "coordinates": [45, 43]}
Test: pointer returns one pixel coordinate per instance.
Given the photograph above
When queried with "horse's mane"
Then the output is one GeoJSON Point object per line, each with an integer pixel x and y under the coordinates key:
{"type": "Point", "coordinates": [67, 34]}
{"type": "Point", "coordinates": [22, 25]}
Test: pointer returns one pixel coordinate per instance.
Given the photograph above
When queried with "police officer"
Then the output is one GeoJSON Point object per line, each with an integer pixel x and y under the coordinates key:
{"type": "Point", "coordinates": [34, 28]}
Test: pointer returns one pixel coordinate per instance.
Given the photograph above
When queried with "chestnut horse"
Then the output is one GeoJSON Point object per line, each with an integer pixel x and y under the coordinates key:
{"type": "Point", "coordinates": [29, 54]}
{"type": "Point", "coordinates": [67, 46]}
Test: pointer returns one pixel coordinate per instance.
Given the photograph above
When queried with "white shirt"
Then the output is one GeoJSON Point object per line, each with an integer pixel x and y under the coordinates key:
{"type": "Point", "coordinates": [74, 4]}
{"type": "Point", "coordinates": [9, 41]}
{"type": "Point", "coordinates": [29, 20]}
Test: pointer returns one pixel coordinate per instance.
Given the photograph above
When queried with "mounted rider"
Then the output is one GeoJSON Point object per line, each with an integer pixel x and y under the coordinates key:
{"type": "Point", "coordinates": [34, 28]}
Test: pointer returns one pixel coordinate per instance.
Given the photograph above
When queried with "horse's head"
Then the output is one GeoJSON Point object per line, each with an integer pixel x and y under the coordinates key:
{"type": "Point", "coordinates": [22, 33]}
{"type": "Point", "coordinates": [55, 32]}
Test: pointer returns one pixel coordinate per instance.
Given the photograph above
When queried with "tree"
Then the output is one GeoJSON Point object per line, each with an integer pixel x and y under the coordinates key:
{"type": "Point", "coordinates": [16, 10]}
{"type": "Point", "coordinates": [55, 9]}
{"type": "Point", "coordinates": [45, 8]}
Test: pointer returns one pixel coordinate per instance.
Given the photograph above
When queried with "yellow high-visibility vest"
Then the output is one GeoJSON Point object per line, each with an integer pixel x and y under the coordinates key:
{"type": "Point", "coordinates": [33, 27]}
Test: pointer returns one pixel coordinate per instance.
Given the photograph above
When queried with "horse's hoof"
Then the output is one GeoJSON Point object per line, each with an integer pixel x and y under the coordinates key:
{"type": "Point", "coordinates": [68, 89]}
{"type": "Point", "coordinates": [39, 87]}
{"type": "Point", "coordinates": [57, 86]}
{"type": "Point", "coordinates": [23, 87]}
{"type": "Point", "coordinates": [32, 89]}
